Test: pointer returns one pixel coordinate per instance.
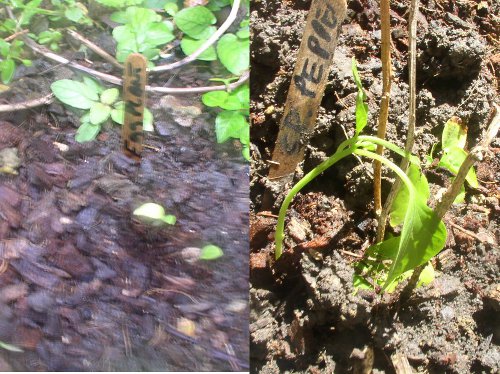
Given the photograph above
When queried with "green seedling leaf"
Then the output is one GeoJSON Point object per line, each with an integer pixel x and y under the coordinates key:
{"type": "Point", "coordinates": [93, 85]}
{"type": "Point", "coordinates": [423, 236]}
{"type": "Point", "coordinates": [150, 210]}
{"type": "Point", "coordinates": [210, 252]}
{"type": "Point", "coordinates": [169, 219]}
{"type": "Point", "coordinates": [229, 124]}
{"type": "Point", "coordinates": [221, 99]}
{"type": "Point", "coordinates": [361, 105]}
{"type": "Point", "coordinates": [452, 159]}
{"type": "Point", "coordinates": [427, 275]}
{"type": "Point", "coordinates": [243, 94]}
{"type": "Point", "coordinates": [147, 121]}
{"type": "Point", "coordinates": [454, 134]}
{"type": "Point", "coordinates": [109, 96]}
{"type": "Point", "coordinates": [234, 53]}
{"type": "Point", "coordinates": [246, 153]}
{"type": "Point", "coordinates": [118, 116]}
{"type": "Point", "coordinates": [87, 132]}
{"type": "Point", "coordinates": [189, 45]}
{"type": "Point", "coordinates": [196, 22]}
{"type": "Point", "coordinates": [8, 68]}
{"type": "Point", "coordinates": [10, 347]}
{"type": "Point", "coordinates": [171, 8]}
{"type": "Point", "coordinates": [401, 201]}
{"type": "Point", "coordinates": [75, 94]}
{"type": "Point", "coordinates": [99, 113]}
{"type": "Point", "coordinates": [74, 14]}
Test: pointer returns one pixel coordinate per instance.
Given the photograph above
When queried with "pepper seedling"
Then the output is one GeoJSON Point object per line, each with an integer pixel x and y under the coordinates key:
{"type": "Point", "coordinates": [423, 234]}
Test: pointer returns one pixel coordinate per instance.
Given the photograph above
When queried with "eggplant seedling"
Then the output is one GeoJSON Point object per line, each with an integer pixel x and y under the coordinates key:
{"type": "Point", "coordinates": [154, 214]}
{"type": "Point", "coordinates": [423, 234]}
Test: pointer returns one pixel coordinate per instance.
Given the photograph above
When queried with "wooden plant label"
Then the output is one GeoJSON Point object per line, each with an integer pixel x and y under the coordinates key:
{"type": "Point", "coordinates": [308, 84]}
{"type": "Point", "coordinates": [134, 95]}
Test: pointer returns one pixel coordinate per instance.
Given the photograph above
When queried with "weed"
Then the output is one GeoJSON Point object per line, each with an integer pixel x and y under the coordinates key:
{"type": "Point", "coordinates": [210, 252]}
{"type": "Point", "coordinates": [100, 103]}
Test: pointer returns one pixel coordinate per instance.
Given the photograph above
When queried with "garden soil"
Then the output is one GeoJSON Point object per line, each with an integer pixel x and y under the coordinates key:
{"type": "Point", "coordinates": [86, 287]}
{"type": "Point", "coordinates": [305, 314]}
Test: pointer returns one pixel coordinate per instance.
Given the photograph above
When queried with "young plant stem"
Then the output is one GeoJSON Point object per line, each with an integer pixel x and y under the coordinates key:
{"type": "Point", "coordinates": [384, 102]}
{"type": "Point", "coordinates": [410, 136]}
{"type": "Point", "coordinates": [349, 146]}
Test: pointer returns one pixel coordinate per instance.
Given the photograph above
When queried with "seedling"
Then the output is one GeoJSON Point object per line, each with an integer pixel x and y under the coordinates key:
{"type": "Point", "coordinates": [10, 54]}
{"type": "Point", "coordinates": [154, 214]}
{"type": "Point", "coordinates": [423, 234]}
{"type": "Point", "coordinates": [210, 252]}
{"type": "Point", "coordinates": [232, 121]}
{"type": "Point", "coordinates": [100, 105]}
{"type": "Point", "coordinates": [10, 347]}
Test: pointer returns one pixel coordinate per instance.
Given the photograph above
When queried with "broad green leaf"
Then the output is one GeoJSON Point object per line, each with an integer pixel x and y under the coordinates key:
{"type": "Point", "coordinates": [99, 113]}
{"type": "Point", "coordinates": [401, 200]}
{"type": "Point", "coordinates": [119, 16]}
{"type": "Point", "coordinates": [109, 96]}
{"type": "Point", "coordinates": [196, 22]}
{"type": "Point", "coordinates": [454, 134]}
{"type": "Point", "coordinates": [229, 124]}
{"type": "Point", "coordinates": [75, 94]}
{"type": "Point", "coordinates": [8, 68]}
{"type": "Point", "coordinates": [189, 45]}
{"type": "Point", "coordinates": [4, 48]}
{"type": "Point", "coordinates": [245, 135]}
{"type": "Point", "coordinates": [150, 210]}
{"type": "Point", "coordinates": [243, 94]}
{"type": "Point", "coordinates": [452, 159]}
{"type": "Point", "coordinates": [87, 132]}
{"type": "Point", "coordinates": [92, 84]}
{"type": "Point", "coordinates": [423, 236]}
{"type": "Point", "coordinates": [234, 53]}
{"type": "Point", "coordinates": [73, 14]}
{"type": "Point", "coordinates": [243, 33]}
{"type": "Point", "coordinates": [171, 8]}
{"type": "Point", "coordinates": [211, 252]}
{"type": "Point", "coordinates": [221, 99]}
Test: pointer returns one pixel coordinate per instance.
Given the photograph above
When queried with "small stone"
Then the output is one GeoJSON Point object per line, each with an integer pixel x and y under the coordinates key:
{"type": "Point", "coordinates": [41, 301]}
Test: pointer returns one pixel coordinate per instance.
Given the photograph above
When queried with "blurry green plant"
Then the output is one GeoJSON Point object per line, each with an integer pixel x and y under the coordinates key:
{"type": "Point", "coordinates": [154, 214]}
{"type": "Point", "coordinates": [10, 347]}
{"type": "Point", "coordinates": [10, 53]}
{"type": "Point", "coordinates": [232, 121]}
{"type": "Point", "coordinates": [100, 105]}
{"type": "Point", "coordinates": [210, 252]}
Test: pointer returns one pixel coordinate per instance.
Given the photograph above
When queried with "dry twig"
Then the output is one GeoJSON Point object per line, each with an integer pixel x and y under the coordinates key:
{"type": "Point", "coordinates": [47, 99]}
{"type": "Point", "coordinates": [384, 102]}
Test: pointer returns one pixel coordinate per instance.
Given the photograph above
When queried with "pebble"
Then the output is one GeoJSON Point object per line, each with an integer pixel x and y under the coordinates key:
{"type": "Point", "coordinates": [41, 301]}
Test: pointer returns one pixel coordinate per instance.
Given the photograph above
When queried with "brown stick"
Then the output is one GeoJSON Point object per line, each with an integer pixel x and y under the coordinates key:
{"type": "Point", "coordinates": [47, 99]}
{"type": "Point", "coordinates": [98, 50]}
{"type": "Point", "coordinates": [384, 102]}
{"type": "Point", "coordinates": [308, 83]}
{"type": "Point", "coordinates": [134, 96]}
{"type": "Point", "coordinates": [410, 136]}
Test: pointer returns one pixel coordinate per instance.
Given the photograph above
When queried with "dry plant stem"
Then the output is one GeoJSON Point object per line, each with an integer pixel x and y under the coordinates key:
{"type": "Point", "coordinates": [118, 81]}
{"type": "Point", "coordinates": [15, 35]}
{"type": "Point", "coordinates": [384, 102]}
{"type": "Point", "coordinates": [476, 154]}
{"type": "Point", "coordinates": [209, 42]}
{"type": "Point", "coordinates": [47, 99]}
{"type": "Point", "coordinates": [410, 136]}
{"type": "Point", "coordinates": [96, 49]}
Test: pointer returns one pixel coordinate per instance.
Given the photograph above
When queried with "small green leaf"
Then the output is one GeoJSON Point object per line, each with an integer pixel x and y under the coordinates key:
{"type": "Point", "coordinates": [229, 124]}
{"type": "Point", "coordinates": [196, 22]}
{"type": "Point", "coordinates": [73, 14]}
{"type": "Point", "coordinates": [427, 275]}
{"type": "Point", "coordinates": [147, 122]}
{"type": "Point", "coordinates": [452, 159]}
{"type": "Point", "coordinates": [99, 113]}
{"type": "Point", "coordinates": [150, 210]}
{"type": "Point", "coordinates": [189, 45]}
{"type": "Point", "coordinates": [171, 8]}
{"type": "Point", "coordinates": [234, 53]}
{"type": "Point", "coordinates": [109, 96]}
{"type": "Point", "coordinates": [169, 218]}
{"type": "Point", "coordinates": [246, 153]}
{"type": "Point", "coordinates": [75, 94]}
{"type": "Point", "coordinates": [93, 84]}
{"type": "Point", "coordinates": [221, 99]}
{"type": "Point", "coordinates": [87, 132]}
{"type": "Point", "coordinates": [361, 105]}
{"type": "Point", "coordinates": [8, 68]}
{"type": "Point", "coordinates": [210, 252]}
{"type": "Point", "coordinates": [454, 135]}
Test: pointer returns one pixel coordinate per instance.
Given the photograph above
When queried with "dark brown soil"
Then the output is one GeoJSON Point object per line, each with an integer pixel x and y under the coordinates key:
{"type": "Point", "coordinates": [83, 285]}
{"type": "Point", "coordinates": [305, 315]}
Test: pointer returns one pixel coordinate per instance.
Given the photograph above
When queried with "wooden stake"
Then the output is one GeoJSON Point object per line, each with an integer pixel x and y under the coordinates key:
{"type": "Point", "coordinates": [308, 84]}
{"type": "Point", "coordinates": [134, 95]}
